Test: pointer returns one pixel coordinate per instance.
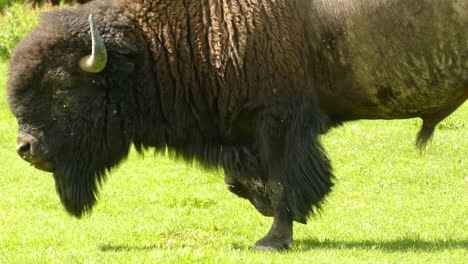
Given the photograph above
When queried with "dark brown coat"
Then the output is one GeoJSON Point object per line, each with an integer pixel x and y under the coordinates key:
{"type": "Point", "coordinates": [245, 85]}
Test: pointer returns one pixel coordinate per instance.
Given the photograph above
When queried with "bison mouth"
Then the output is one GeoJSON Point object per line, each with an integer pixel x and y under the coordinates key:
{"type": "Point", "coordinates": [40, 164]}
{"type": "Point", "coordinates": [43, 166]}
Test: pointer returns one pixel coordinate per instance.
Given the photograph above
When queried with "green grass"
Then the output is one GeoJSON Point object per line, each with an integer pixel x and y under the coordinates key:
{"type": "Point", "coordinates": [7, 3]}
{"type": "Point", "coordinates": [390, 205]}
{"type": "Point", "coordinates": [16, 21]}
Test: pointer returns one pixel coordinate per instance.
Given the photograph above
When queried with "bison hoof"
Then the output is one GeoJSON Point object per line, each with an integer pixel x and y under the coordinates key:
{"type": "Point", "coordinates": [272, 244]}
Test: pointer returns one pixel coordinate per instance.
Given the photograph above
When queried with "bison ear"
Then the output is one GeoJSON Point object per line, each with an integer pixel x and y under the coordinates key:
{"type": "Point", "coordinates": [96, 62]}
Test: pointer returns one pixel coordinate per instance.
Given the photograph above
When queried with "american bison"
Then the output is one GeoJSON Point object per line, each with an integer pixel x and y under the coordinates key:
{"type": "Point", "coordinates": [244, 85]}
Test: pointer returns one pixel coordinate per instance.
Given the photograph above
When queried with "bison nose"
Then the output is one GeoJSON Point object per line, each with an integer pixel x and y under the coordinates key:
{"type": "Point", "coordinates": [25, 146]}
{"type": "Point", "coordinates": [24, 150]}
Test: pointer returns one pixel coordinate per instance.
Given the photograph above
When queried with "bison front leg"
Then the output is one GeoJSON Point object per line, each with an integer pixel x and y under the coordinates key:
{"type": "Point", "coordinates": [280, 236]}
{"type": "Point", "coordinates": [298, 171]}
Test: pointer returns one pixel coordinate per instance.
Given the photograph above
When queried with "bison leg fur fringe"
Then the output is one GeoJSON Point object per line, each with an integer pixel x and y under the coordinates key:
{"type": "Point", "coordinates": [296, 172]}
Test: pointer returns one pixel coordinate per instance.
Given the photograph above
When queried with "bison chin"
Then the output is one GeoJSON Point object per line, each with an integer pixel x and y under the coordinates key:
{"type": "Point", "coordinates": [78, 188]}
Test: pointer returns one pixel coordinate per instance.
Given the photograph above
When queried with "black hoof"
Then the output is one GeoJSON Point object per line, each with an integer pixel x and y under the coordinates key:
{"type": "Point", "coordinates": [270, 244]}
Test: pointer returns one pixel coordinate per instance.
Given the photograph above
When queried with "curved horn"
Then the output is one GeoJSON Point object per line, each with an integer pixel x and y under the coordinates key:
{"type": "Point", "coordinates": [95, 62]}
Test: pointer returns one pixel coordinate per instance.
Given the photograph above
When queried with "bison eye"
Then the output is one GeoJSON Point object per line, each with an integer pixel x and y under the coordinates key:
{"type": "Point", "coordinates": [56, 79]}
{"type": "Point", "coordinates": [127, 67]}
{"type": "Point", "coordinates": [57, 74]}
{"type": "Point", "coordinates": [121, 63]}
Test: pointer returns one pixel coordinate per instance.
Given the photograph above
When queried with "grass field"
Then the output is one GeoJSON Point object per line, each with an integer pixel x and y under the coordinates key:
{"type": "Point", "coordinates": [390, 205]}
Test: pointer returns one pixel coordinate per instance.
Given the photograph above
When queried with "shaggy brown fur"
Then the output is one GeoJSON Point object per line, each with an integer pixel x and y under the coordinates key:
{"type": "Point", "coordinates": [244, 85]}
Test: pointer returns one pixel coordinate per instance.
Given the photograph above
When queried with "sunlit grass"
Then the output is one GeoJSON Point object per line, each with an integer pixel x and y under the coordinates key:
{"type": "Point", "coordinates": [390, 205]}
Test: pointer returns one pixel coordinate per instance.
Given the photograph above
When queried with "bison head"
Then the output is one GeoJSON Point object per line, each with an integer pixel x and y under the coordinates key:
{"type": "Point", "coordinates": [74, 93]}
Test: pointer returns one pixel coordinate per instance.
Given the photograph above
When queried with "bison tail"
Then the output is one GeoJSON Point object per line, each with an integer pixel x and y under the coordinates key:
{"type": "Point", "coordinates": [430, 121]}
{"type": "Point", "coordinates": [425, 134]}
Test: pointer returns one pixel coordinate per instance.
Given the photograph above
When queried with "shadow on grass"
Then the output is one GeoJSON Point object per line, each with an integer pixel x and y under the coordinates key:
{"type": "Point", "coordinates": [125, 248]}
{"type": "Point", "coordinates": [401, 245]}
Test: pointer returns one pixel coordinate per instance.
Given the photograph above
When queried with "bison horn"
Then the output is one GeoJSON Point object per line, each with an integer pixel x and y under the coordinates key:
{"type": "Point", "coordinates": [95, 62]}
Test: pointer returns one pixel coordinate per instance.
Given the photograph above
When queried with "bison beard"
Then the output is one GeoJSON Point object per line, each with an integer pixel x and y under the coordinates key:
{"type": "Point", "coordinates": [76, 186]}
{"type": "Point", "coordinates": [86, 154]}
{"type": "Point", "coordinates": [78, 176]}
